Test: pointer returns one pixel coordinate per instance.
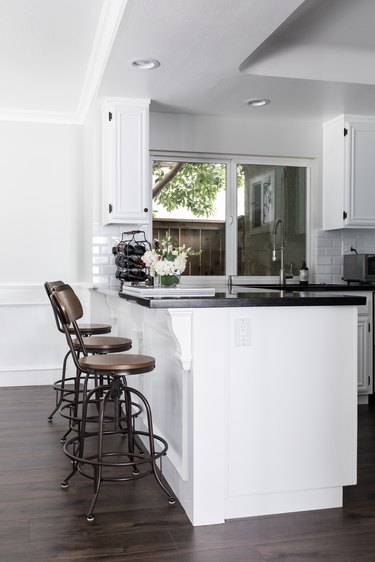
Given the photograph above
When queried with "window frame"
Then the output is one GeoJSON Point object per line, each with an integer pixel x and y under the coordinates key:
{"type": "Point", "coordinates": [231, 242]}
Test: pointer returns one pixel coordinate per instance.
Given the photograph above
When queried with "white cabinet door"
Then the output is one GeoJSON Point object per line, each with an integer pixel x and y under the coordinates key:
{"type": "Point", "coordinates": [348, 179]}
{"type": "Point", "coordinates": [365, 343]}
{"type": "Point", "coordinates": [360, 180]}
{"type": "Point", "coordinates": [364, 356]}
{"type": "Point", "coordinates": [126, 193]}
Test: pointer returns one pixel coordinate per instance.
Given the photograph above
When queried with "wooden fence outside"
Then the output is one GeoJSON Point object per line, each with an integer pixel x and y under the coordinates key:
{"type": "Point", "coordinates": [207, 236]}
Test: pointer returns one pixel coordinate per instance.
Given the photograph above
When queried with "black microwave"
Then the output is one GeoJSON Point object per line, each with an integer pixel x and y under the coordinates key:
{"type": "Point", "coordinates": [359, 267]}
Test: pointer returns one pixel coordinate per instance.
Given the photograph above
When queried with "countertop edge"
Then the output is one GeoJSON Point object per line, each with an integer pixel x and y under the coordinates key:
{"type": "Point", "coordinates": [271, 298]}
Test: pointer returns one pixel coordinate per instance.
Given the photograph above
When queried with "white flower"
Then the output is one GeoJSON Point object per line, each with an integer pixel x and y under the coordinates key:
{"type": "Point", "coordinates": [165, 267]}
{"type": "Point", "coordinates": [167, 259]}
{"type": "Point", "coordinates": [180, 262]}
{"type": "Point", "coordinates": [150, 257]}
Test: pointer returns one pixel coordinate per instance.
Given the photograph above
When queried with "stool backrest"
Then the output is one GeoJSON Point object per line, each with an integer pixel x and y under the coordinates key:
{"type": "Point", "coordinates": [68, 309]}
{"type": "Point", "coordinates": [50, 286]}
{"type": "Point", "coordinates": [69, 306]}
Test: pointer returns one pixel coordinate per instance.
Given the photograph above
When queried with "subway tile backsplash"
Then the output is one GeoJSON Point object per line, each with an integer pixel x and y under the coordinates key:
{"type": "Point", "coordinates": [326, 262]}
{"type": "Point", "coordinates": [103, 261]}
{"type": "Point", "coordinates": [328, 248]}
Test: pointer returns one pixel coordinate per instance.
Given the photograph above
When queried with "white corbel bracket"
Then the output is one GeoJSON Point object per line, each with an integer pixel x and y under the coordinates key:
{"type": "Point", "coordinates": [180, 324]}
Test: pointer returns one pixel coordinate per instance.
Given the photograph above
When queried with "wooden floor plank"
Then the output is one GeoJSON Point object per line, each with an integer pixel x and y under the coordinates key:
{"type": "Point", "coordinates": [41, 522]}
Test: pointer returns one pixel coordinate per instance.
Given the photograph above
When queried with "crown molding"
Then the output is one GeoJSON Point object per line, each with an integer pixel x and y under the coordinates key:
{"type": "Point", "coordinates": [30, 116]}
{"type": "Point", "coordinates": [109, 22]}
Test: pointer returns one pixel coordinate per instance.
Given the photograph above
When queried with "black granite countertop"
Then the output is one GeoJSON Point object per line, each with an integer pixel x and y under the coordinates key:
{"type": "Point", "coordinates": [330, 287]}
{"type": "Point", "coordinates": [249, 297]}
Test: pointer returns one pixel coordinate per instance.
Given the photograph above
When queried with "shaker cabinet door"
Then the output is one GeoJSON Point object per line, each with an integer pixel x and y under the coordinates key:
{"type": "Point", "coordinates": [364, 361]}
{"type": "Point", "coordinates": [126, 192]}
{"type": "Point", "coordinates": [360, 174]}
{"type": "Point", "coordinates": [348, 178]}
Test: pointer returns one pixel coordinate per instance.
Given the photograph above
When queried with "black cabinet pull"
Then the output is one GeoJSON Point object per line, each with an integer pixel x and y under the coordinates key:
{"type": "Point", "coordinates": [145, 210]}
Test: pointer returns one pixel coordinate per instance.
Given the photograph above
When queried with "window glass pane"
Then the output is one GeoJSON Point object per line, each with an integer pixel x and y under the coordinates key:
{"type": "Point", "coordinates": [266, 194]}
{"type": "Point", "coordinates": [189, 204]}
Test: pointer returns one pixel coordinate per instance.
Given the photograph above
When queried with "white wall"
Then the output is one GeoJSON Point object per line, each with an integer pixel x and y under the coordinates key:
{"type": "Point", "coordinates": [235, 136]}
{"type": "Point", "coordinates": [41, 179]}
{"type": "Point", "coordinates": [42, 221]}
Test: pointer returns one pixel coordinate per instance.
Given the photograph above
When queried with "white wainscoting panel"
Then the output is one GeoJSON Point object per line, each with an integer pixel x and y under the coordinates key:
{"type": "Point", "coordinates": [31, 348]}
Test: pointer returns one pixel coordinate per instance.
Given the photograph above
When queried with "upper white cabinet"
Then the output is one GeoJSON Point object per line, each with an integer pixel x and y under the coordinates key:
{"type": "Point", "coordinates": [126, 193]}
{"type": "Point", "coordinates": [348, 172]}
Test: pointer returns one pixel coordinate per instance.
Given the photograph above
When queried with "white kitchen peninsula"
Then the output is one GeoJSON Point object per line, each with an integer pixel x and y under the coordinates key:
{"type": "Point", "coordinates": [256, 394]}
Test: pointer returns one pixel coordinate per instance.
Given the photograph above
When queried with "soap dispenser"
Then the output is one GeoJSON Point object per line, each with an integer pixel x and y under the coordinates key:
{"type": "Point", "coordinates": [304, 274]}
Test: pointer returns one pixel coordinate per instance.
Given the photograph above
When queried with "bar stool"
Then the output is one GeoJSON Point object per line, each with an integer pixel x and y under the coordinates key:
{"type": "Point", "coordinates": [111, 452]}
{"type": "Point", "coordinates": [87, 330]}
{"type": "Point", "coordinates": [68, 398]}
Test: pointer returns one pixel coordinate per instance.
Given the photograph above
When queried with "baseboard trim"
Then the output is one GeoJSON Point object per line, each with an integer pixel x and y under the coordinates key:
{"type": "Point", "coordinates": [29, 376]}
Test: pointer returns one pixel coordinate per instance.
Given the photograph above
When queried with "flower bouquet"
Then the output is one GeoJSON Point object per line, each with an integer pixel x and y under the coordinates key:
{"type": "Point", "coordinates": [167, 261]}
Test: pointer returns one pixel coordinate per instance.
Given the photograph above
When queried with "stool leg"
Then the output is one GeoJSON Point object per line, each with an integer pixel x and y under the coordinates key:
{"type": "Point", "coordinates": [130, 428]}
{"type": "Point", "coordinates": [151, 442]}
{"type": "Point", "coordinates": [77, 384]}
{"type": "Point", "coordinates": [97, 483]}
{"type": "Point", "coordinates": [123, 385]}
{"type": "Point", "coordinates": [98, 469]}
{"type": "Point", "coordinates": [81, 429]}
{"type": "Point", "coordinates": [60, 392]}
{"type": "Point", "coordinates": [65, 482]}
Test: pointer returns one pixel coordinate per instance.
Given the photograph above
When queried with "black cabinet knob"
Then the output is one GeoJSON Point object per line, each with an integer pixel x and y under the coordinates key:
{"type": "Point", "coordinates": [145, 210]}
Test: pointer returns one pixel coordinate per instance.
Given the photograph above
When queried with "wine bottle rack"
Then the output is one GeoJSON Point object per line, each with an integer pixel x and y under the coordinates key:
{"type": "Point", "coordinates": [128, 258]}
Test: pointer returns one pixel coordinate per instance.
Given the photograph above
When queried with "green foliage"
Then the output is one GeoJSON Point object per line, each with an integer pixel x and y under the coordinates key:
{"type": "Point", "coordinates": [194, 187]}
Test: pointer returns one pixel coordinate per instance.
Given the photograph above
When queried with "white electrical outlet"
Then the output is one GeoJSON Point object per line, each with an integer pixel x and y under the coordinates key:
{"type": "Point", "coordinates": [242, 331]}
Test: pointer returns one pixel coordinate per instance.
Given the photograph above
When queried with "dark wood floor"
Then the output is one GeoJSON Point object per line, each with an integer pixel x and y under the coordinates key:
{"type": "Point", "coordinates": [41, 522]}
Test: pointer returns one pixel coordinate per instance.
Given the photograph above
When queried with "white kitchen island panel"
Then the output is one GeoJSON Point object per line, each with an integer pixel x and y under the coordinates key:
{"type": "Point", "coordinates": [253, 429]}
{"type": "Point", "coordinates": [291, 409]}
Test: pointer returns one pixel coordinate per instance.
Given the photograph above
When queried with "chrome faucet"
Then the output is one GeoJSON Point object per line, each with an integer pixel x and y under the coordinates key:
{"type": "Point", "coordinates": [283, 275]}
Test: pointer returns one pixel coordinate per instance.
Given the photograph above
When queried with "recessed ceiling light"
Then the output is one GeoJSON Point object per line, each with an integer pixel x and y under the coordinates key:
{"type": "Point", "coordinates": [144, 64]}
{"type": "Point", "coordinates": [257, 102]}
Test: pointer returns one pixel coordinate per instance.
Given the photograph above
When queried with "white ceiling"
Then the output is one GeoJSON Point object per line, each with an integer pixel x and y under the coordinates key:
{"type": "Point", "coordinates": [314, 59]}
{"type": "Point", "coordinates": [52, 56]}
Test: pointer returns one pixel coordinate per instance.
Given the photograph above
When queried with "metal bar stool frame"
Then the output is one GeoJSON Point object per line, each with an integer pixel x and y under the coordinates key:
{"type": "Point", "coordinates": [96, 465]}
{"type": "Point", "coordinates": [69, 404]}
{"type": "Point", "coordinates": [86, 330]}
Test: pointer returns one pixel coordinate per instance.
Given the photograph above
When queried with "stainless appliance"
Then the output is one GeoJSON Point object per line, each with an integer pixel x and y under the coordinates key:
{"type": "Point", "coordinates": [359, 267]}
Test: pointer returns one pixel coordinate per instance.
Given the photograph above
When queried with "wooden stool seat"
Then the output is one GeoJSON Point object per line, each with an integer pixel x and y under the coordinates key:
{"type": "Point", "coordinates": [118, 363]}
{"type": "Point", "coordinates": [106, 344]}
{"type": "Point", "coordinates": [92, 329]}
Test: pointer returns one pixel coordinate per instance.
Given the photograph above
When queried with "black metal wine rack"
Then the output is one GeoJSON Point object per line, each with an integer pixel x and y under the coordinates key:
{"type": "Point", "coordinates": [129, 265]}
